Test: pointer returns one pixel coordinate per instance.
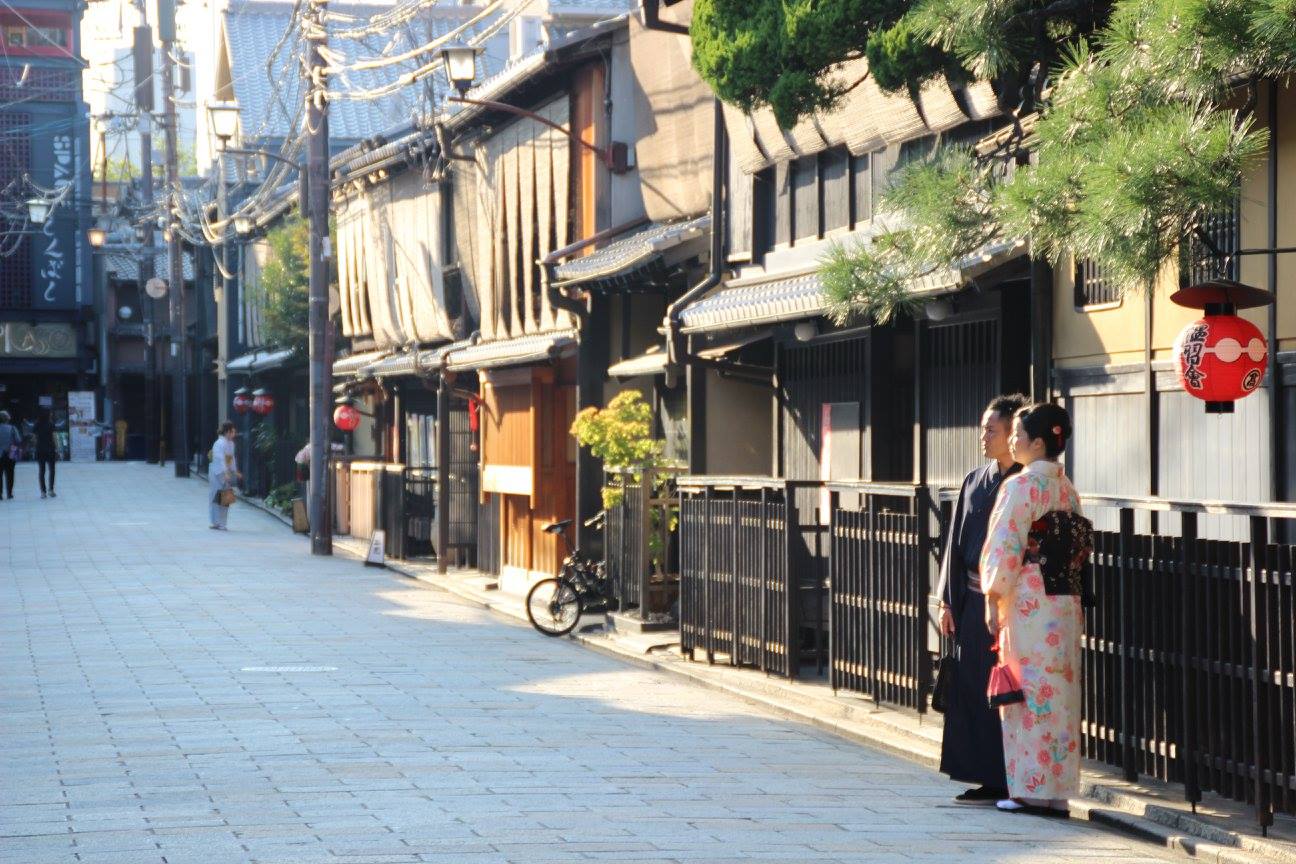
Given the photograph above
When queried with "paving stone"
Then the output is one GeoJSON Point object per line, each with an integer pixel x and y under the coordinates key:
{"type": "Point", "coordinates": [134, 729]}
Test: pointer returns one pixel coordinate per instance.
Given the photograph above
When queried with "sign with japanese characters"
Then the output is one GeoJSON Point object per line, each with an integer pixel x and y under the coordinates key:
{"type": "Point", "coordinates": [55, 266]}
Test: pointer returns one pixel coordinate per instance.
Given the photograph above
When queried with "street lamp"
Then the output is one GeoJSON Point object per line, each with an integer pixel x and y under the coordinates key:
{"type": "Point", "coordinates": [38, 210]}
{"type": "Point", "coordinates": [460, 63]}
{"type": "Point", "coordinates": [96, 237]}
{"type": "Point", "coordinates": [223, 118]}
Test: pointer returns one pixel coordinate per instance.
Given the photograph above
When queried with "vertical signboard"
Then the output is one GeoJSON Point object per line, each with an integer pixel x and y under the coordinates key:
{"type": "Point", "coordinates": [82, 426]}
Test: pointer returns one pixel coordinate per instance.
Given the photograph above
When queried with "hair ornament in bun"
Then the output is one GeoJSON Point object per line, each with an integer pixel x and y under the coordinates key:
{"type": "Point", "coordinates": [1057, 430]}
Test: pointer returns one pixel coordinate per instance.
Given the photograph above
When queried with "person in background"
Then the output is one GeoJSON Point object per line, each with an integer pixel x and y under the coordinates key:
{"type": "Point", "coordinates": [222, 473]}
{"type": "Point", "coordinates": [46, 452]}
{"type": "Point", "coordinates": [1039, 632]}
{"type": "Point", "coordinates": [972, 740]}
{"type": "Point", "coordinates": [10, 450]}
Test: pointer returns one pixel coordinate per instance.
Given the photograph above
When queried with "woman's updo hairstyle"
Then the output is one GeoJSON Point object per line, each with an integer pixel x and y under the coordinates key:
{"type": "Point", "coordinates": [1049, 422]}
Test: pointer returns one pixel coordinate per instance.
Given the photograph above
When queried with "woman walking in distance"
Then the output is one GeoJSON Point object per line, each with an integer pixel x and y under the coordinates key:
{"type": "Point", "coordinates": [10, 450]}
{"type": "Point", "coordinates": [222, 474]}
{"type": "Point", "coordinates": [46, 453]}
{"type": "Point", "coordinates": [1038, 626]}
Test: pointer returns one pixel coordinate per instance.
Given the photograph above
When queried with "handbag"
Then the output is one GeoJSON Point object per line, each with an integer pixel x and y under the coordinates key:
{"type": "Point", "coordinates": [946, 669]}
{"type": "Point", "coordinates": [225, 497]}
{"type": "Point", "coordinates": [1002, 688]}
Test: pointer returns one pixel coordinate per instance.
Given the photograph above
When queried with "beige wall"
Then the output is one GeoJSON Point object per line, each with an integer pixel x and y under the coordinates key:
{"type": "Point", "coordinates": [738, 427]}
{"type": "Point", "coordinates": [1112, 336]}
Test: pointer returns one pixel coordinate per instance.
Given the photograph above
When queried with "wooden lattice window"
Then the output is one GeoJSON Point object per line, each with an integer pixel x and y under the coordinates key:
{"type": "Point", "coordinates": [1224, 228]}
{"type": "Point", "coordinates": [1094, 286]}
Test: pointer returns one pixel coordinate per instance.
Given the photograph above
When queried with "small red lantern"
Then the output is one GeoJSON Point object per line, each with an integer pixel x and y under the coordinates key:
{"type": "Point", "coordinates": [242, 401]}
{"type": "Point", "coordinates": [1221, 358]}
{"type": "Point", "coordinates": [262, 402]}
{"type": "Point", "coordinates": [346, 418]}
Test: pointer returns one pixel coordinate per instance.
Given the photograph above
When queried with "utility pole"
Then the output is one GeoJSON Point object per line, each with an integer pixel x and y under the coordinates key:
{"type": "Point", "coordinates": [143, 62]}
{"type": "Point", "coordinates": [179, 333]}
{"type": "Point", "coordinates": [321, 354]}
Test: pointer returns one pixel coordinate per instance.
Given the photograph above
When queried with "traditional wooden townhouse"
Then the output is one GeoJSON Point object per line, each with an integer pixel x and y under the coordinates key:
{"type": "Point", "coordinates": [810, 524]}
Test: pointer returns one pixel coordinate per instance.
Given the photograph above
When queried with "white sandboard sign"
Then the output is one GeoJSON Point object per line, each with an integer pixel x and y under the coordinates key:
{"type": "Point", "coordinates": [377, 545]}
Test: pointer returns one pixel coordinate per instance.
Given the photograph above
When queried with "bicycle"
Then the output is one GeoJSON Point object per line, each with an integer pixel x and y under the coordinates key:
{"type": "Point", "coordinates": [555, 605]}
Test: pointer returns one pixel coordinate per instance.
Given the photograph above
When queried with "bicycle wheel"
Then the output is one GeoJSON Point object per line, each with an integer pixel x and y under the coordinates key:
{"type": "Point", "coordinates": [553, 606]}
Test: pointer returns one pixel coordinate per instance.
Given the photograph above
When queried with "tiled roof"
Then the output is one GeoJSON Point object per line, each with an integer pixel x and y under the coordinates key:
{"type": "Point", "coordinates": [633, 251]}
{"type": "Point", "coordinates": [353, 363]}
{"type": "Point", "coordinates": [268, 102]}
{"type": "Point", "coordinates": [521, 351]}
{"type": "Point", "coordinates": [798, 295]}
{"type": "Point", "coordinates": [124, 266]}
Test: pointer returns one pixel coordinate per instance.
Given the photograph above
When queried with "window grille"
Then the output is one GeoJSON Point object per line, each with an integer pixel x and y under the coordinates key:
{"type": "Point", "coordinates": [1094, 286]}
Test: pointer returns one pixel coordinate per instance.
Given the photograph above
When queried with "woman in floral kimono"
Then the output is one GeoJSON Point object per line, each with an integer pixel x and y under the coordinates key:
{"type": "Point", "coordinates": [1039, 633]}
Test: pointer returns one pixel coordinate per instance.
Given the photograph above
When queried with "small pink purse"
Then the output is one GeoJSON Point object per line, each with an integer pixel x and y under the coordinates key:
{"type": "Point", "coordinates": [1002, 688]}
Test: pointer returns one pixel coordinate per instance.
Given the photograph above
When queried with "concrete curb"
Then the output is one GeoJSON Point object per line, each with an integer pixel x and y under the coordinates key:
{"type": "Point", "coordinates": [1103, 804]}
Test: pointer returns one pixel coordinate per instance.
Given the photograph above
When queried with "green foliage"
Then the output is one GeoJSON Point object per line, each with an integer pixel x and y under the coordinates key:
{"type": "Point", "coordinates": [776, 52]}
{"type": "Point", "coordinates": [281, 497]}
{"type": "Point", "coordinates": [619, 434]}
{"type": "Point", "coordinates": [901, 58]}
{"type": "Point", "coordinates": [264, 437]}
{"type": "Point", "coordinates": [1134, 145]}
{"type": "Point", "coordinates": [284, 287]}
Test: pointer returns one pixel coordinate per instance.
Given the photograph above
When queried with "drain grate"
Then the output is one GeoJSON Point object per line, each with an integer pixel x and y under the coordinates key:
{"type": "Point", "coordinates": [289, 669]}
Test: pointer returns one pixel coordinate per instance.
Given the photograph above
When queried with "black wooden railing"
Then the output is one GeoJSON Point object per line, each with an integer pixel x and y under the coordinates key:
{"type": "Point", "coordinates": [489, 550]}
{"type": "Point", "coordinates": [1189, 656]}
{"type": "Point", "coordinates": [418, 504]}
{"type": "Point", "coordinates": [744, 568]}
{"type": "Point", "coordinates": [1189, 673]}
{"type": "Point", "coordinates": [639, 520]}
{"type": "Point", "coordinates": [880, 564]}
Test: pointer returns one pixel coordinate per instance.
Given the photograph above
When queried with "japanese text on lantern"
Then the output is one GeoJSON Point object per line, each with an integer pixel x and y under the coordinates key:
{"type": "Point", "coordinates": [1193, 347]}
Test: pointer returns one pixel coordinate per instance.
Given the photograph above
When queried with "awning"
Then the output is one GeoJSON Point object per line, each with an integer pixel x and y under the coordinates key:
{"type": "Point", "coordinates": [799, 295]}
{"type": "Point", "coordinates": [654, 360]}
{"type": "Point", "coordinates": [352, 364]}
{"type": "Point", "coordinates": [753, 302]}
{"type": "Point", "coordinates": [512, 352]}
{"type": "Point", "coordinates": [412, 362]}
{"type": "Point", "coordinates": [258, 361]}
{"type": "Point", "coordinates": [664, 242]}
{"type": "Point", "coordinates": [651, 362]}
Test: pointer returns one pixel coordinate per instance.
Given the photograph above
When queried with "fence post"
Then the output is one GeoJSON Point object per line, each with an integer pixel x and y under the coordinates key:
{"type": "Point", "coordinates": [921, 589]}
{"type": "Point", "coordinates": [734, 595]}
{"type": "Point", "coordinates": [763, 598]}
{"type": "Point", "coordinates": [706, 574]}
{"type": "Point", "coordinates": [1128, 756]}
{"type": "Point", "coordinates": [1188, 598]}
{"type": "Point", "coordinates": [645, 534]}
{"type": "Point", "coordinates": [1257, 622]}
{"type": "Point", "coordinates": [871, 606]}
{"type": "Point", "coordinates": [834, 498]}
{"type": "Point", "coordinates": [620, 580]}
{"type": "Point", "coordinates": [790, 522]}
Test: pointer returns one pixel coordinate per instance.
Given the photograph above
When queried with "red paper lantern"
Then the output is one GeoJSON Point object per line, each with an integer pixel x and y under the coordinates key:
{"type": "Point", "coordinates": [242, 401]}
{"type": "Point", "coordinates": [262, 402]}
{"type": "Point", "coordinates": [346, 418]}
{"type": "Point", "coordinates": [1220, 359]}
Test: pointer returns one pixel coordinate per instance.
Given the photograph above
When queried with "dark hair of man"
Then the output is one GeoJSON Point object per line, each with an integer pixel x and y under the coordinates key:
{"type": "Point", "coordinates": [1048, 422]}
{"type": "Point", "coordinates": [226, 427]}
{"type": "Point", "coordinates": [1007, 405]}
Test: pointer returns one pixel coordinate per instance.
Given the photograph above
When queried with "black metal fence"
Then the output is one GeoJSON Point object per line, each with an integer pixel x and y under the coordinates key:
{"type": "Point", "coordinates": [640, 543]}
{"type": "Point", "coordinates": [489, 550]}
{"type": "Point", "coordinates": [418, 503]}
{"type": "Point", "coordinates": [1189, 673]}
{"type": "Point", "coordinates": [880, 564]}
{"type": "Point", "coordinates": [746, 578]}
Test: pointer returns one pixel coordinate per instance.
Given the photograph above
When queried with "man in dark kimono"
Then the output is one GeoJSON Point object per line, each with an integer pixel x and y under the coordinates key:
{"type": "Point", "coordinates": [972, 744]}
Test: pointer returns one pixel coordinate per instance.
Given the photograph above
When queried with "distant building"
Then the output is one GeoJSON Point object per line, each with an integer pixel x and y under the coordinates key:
{"type": "Point", "coordinates": [46, 288]}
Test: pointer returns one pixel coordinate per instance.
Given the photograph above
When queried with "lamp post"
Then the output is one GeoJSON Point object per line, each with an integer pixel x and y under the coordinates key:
{"type": "Point", "coordinates": [38, 210]}
{"type": "Point", "coordinates": [223, 120]}
{"type": "Point", "coordinates": [460, 62]}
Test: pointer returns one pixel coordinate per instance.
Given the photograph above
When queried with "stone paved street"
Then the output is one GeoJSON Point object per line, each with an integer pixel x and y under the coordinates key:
{"type": "Point", "coordinates": [174, 694]}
